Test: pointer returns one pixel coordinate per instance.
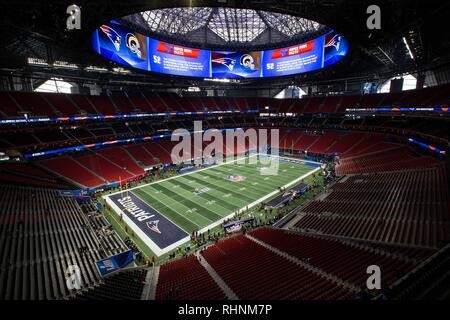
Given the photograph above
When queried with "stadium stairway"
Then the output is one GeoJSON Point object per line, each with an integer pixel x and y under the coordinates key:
{"type": "Point", "coordinates": [328, 269]}
{"type": "Point", "coordinates": [50, 104]}
{"type": "Point", "coordinates": [225, 288]}
{"type": "Point", "coordinates": [105, 168]}
{"type": "Point", "coordinates": [41, 234]}
{"type": "Point", "coordinates": [186, 278]}
{"type": "Point", "coordinates": [383, 157]}
{"type": "Point", "coordinates": [346, 261]}
{"type": "Point", "coordinates": [254, 272]}
{"type": "Point", "coordinates": [149, 291]}
{"type": "Point", "coordinates": [62, 103]}
{"type": "Point", "coordinates": [133, 158]}
{"type": "Point", "coordinates": [307, 266]}
{"type": "Point", "coordinates": [408, 208]}
{"type": "Point", "coordinates": [28, 174]}
{"type": "Point", "coordinates": [141, 154]}
{"type": "Point", "coordinates": [430, 280]}
{"type": "Point", "coordinates": [73, 171]}
{"type": "Point", "coordinates": [119, 157]}
{"type": "Point", "coordinates": [347, 143]}
{"type": "Point", "coordinates": [124, 285]}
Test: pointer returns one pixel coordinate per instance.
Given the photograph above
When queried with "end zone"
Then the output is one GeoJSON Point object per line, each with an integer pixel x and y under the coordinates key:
{"type": "Point", "coordinates": [159, 233]}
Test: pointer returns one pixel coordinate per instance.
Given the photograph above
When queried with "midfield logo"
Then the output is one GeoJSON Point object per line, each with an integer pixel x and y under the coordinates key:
{"type": "Point", "coordinates": [235, 178]}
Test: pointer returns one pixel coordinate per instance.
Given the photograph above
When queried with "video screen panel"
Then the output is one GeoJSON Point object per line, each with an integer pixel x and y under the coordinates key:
{"type": "Point", "coordinates": [292, 60]}
{"type": "Point", "coordinates": [116, 42]}
{"type": "Point", "coordinates": [177, 60]}
{"type": "Point", "coordinates": [335, 48]}
{"type": "Point", "coordinates": [225, 64]}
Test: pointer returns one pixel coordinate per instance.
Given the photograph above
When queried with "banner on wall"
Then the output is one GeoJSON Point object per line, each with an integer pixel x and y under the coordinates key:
{"type": "Point", "coordinates": [236, 226]}
{"type": "Point", "coordinates": [114, 263]}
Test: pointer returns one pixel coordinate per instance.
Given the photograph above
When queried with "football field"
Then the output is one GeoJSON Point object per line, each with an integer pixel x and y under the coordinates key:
{"type": "Point", "coordinates": [165, 213]}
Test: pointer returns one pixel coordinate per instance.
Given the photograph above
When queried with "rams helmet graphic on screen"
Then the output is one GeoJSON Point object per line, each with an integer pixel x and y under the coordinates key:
{"type": "Point", "coordinates": [247, 61]}
{"type": "Point", "coordinates": [133, 44]}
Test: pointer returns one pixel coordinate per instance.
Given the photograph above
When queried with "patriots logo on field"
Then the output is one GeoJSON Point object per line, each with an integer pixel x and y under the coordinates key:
{"type": "Point", "coordinates": [227, 62]}
{"type": "Point", "coordinates": [334, 42]}
{"type": "Point", "coordinates": [235, 178]}
{"type": "Point", "coordinates": [153, 225]}
{"type": "Point", "coordinates": [112, 35]}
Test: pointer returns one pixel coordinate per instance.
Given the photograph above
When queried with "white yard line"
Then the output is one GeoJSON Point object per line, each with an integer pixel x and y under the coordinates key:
{"type": "Point", "coordinates": [161, 213]}
{"type": "Point", "coordinates": [154, 247]}
{"type": "Point", "coordinates": [182, 175]}
{"type": "Point", "coordinates": [298, 159]}
{"type": "Point", "coordinates": [146, 239]}
{"type": "Point", "coordinates": [168, 206]}
{"type": "Point", "coordinates": [254, 203]}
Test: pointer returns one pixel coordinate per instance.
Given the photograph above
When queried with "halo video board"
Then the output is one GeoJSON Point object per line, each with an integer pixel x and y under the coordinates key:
{"type": "Point", "coordinates": [117, 43]}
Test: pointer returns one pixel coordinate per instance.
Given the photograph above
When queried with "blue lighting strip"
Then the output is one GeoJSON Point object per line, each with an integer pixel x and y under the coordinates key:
{"type": "Point", "coordinates": [422, 109]}
{"type": "Point", "coordinates": [427, 146]}
{"type": "Point", "coordinates": [107, 143]}
{"type": "Point", "coordinates": [124, 116]}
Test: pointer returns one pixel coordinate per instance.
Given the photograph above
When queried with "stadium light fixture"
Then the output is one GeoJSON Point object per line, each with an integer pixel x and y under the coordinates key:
{"type": "Point", "coordinates": [96, 69]}
{"type": "Point", "coordinates": [221, 80]}
{"type": "Point", "coordinates": [37, 62]}
{"type": "Point", "coordinates": [120, 70]}
{"type": "Point", "coordinates": [65, 64]}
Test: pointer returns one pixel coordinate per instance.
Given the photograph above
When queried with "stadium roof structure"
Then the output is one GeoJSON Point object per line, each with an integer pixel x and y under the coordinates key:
{"type": "Point", "coordinates": [410, 40]}
{"type": "Point", "coordinates": [213, 27]}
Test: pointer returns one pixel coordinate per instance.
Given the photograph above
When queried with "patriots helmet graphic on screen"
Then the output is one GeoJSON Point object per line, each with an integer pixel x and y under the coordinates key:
{"type": "Point", "coordinates": [335, 42]}
{"type": "Point", "coordinates": [227, 62]}
{"type": "Point", "coordinates": [112, 35]}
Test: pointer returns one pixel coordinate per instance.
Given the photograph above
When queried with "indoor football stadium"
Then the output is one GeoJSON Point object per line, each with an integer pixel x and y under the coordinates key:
{"type": "Point", "coordinates": [219, 150]}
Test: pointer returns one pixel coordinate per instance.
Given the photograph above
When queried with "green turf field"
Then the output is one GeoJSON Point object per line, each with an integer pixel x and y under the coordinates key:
{"type": "Point", "coordinates": [196, 200]}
